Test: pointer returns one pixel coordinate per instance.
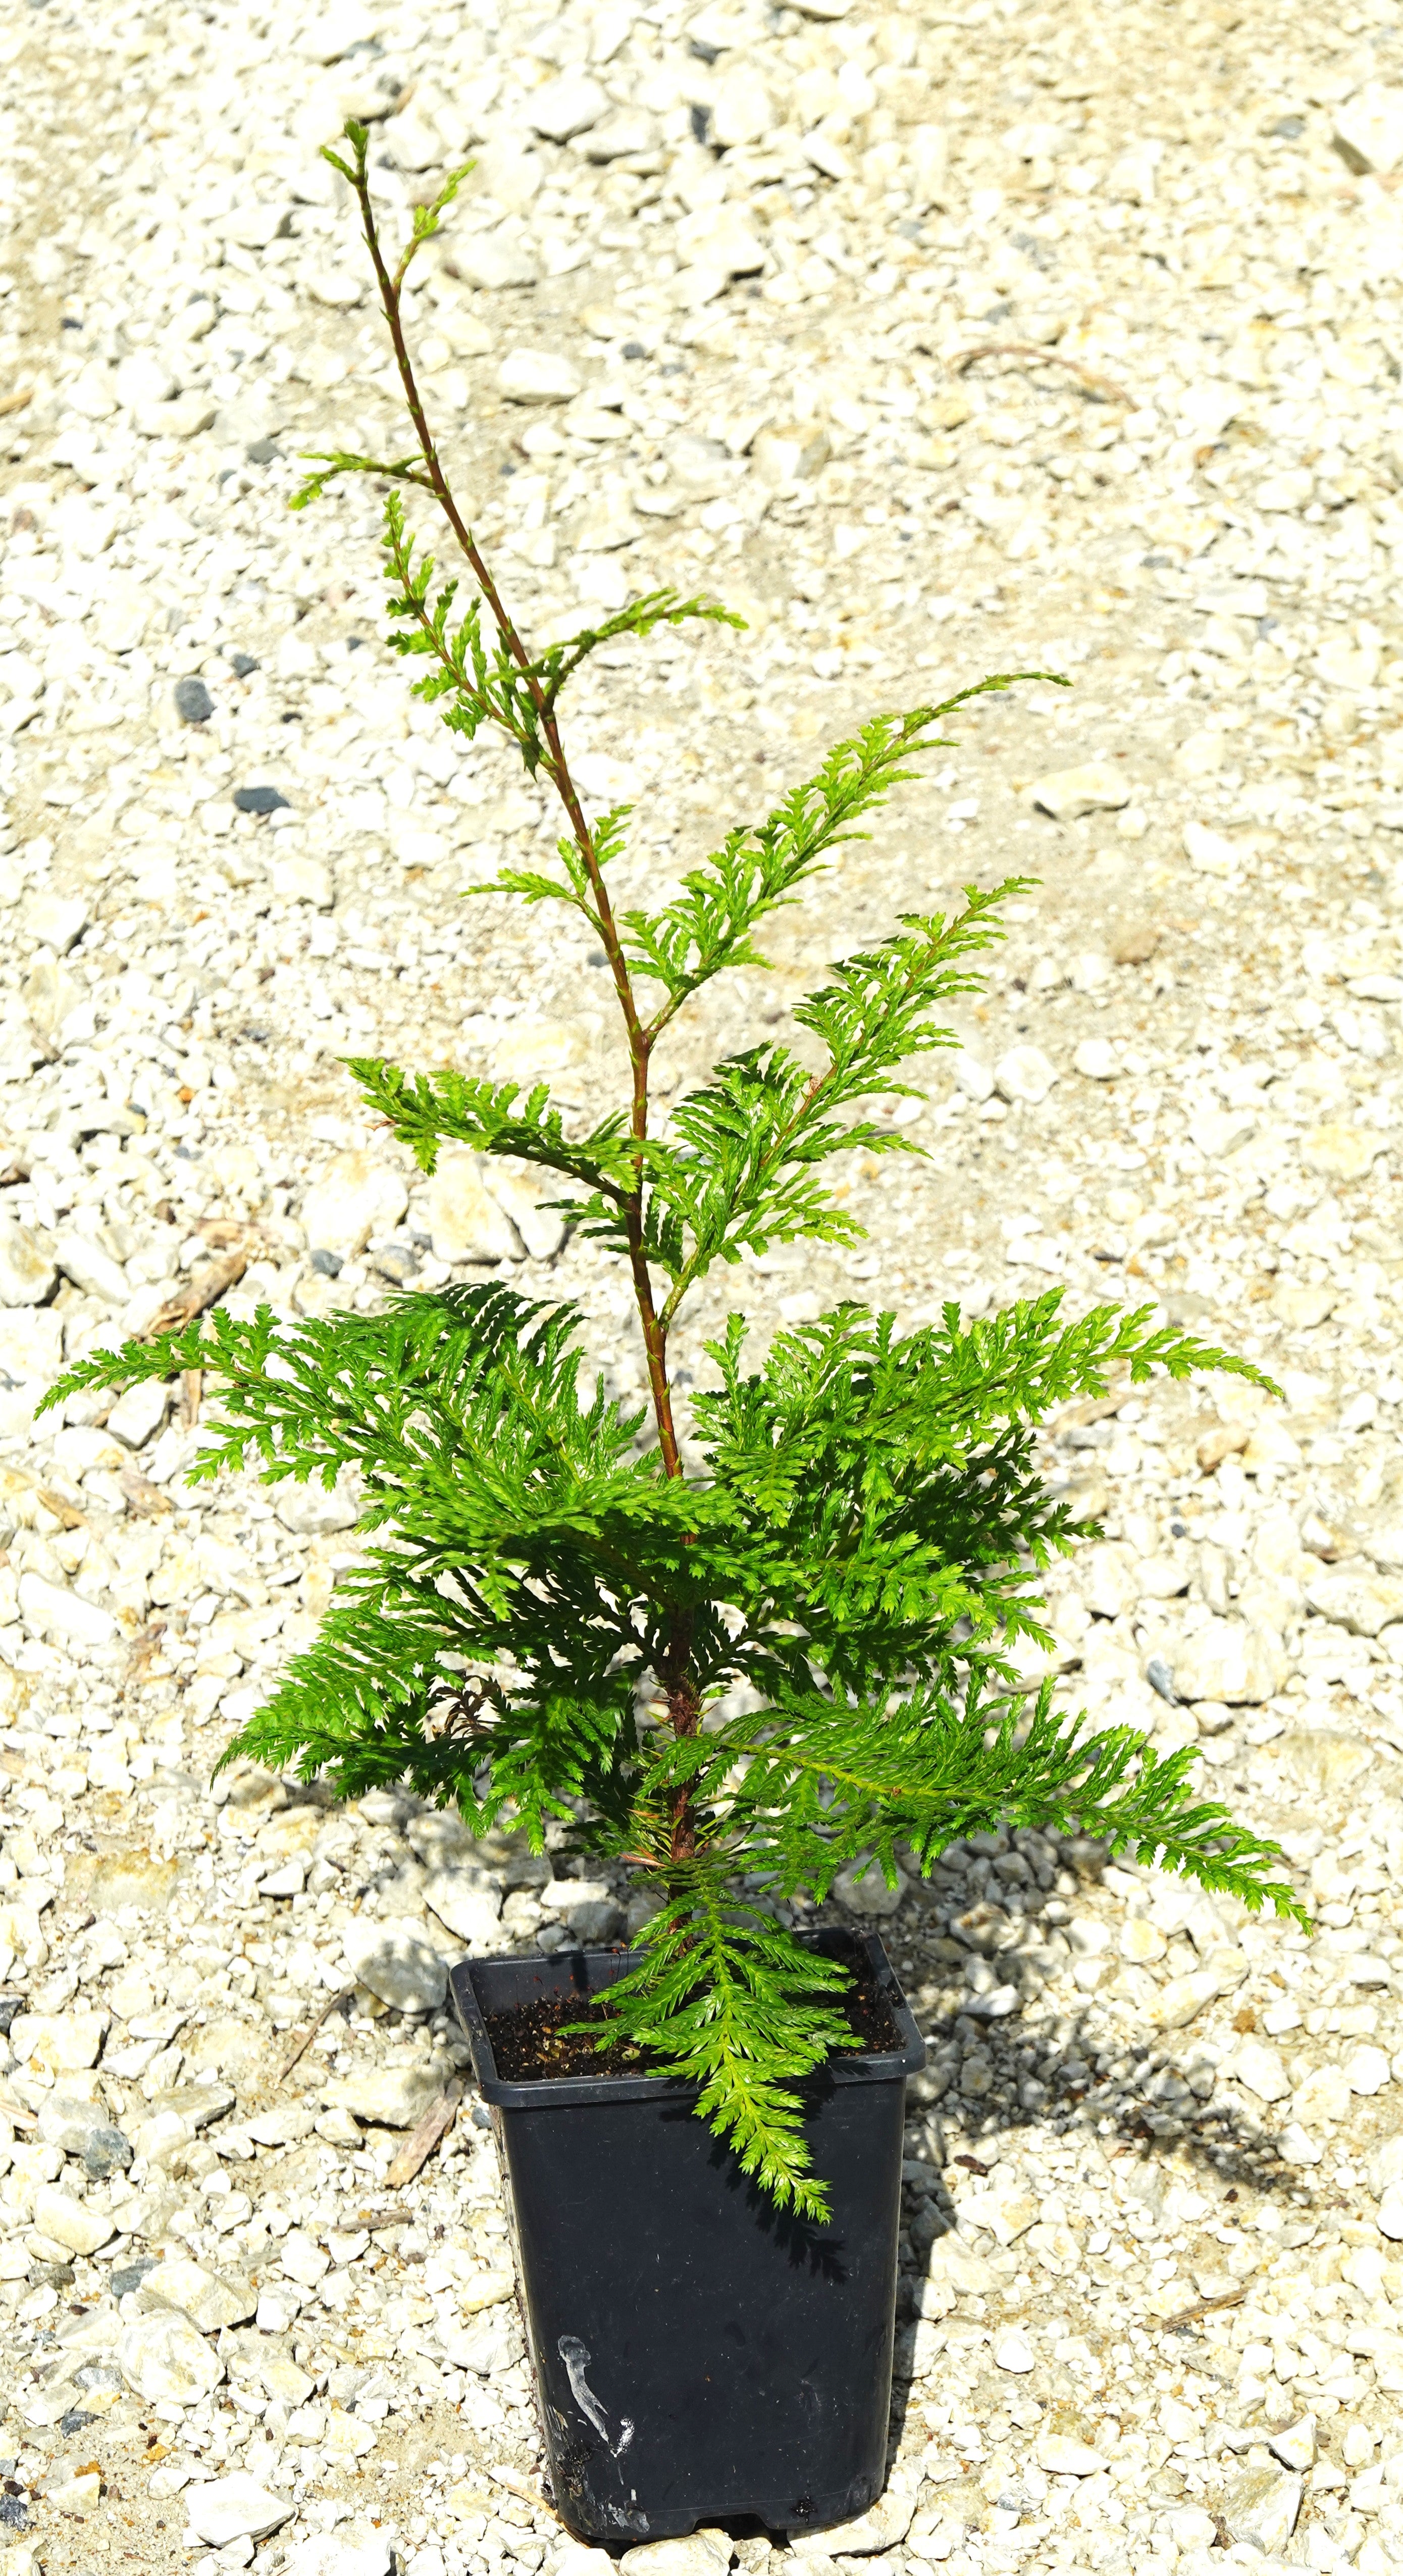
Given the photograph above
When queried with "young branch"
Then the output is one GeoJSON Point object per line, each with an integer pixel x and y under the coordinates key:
{"type": "Point", "coordinates": [558, 770]}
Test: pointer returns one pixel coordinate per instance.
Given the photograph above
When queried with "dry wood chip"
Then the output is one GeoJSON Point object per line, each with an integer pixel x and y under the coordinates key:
{"type": "Point", "coordinates": [436, 2123]}
{"type": "Point", "coordinates": [205, 1287]}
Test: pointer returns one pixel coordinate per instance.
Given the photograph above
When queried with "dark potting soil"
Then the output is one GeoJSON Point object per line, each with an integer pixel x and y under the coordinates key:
{"type": "Point", "coordinates": [535, 2042]}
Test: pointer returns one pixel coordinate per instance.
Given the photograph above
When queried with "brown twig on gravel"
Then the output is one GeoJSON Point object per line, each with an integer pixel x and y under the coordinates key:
{"type": "Point", "coordinates": [517, 2485]}
{"type": "Point", "coordinates": [1203, 2308]}
{"type": "Point", "coordinates": [192, 1382]}
{"type": "Point", "coordinates": [418, 2148]}
{"type": "Point", "coordinates": [304, 2044]}
{"type": "Point", "coordinates": [1101, 386]}
{"type": "Point", "coordinates": [204, 1288]}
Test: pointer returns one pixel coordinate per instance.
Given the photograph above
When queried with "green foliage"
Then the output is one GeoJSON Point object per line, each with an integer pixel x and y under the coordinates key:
{"type": "Point", "coordinates": [797, 1653]}
{"type": "Point", "coordinates": [506, 688]}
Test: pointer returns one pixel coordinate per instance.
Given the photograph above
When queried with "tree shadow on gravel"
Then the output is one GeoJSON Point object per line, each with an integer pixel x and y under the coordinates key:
{"type": "Point", "coordinates": [1049, 2078]}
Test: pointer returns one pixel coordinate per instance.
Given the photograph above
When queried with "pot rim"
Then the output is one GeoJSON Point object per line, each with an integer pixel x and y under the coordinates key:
{"type": "Point", "coordinates": [567, 2092]}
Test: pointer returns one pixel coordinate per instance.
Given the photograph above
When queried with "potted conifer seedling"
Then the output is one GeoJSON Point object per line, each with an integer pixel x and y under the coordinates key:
{"type": "Point", "coordinates": [736, 1659]}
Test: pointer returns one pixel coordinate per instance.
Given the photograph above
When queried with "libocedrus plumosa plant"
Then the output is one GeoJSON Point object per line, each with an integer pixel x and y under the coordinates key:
{"type": "Point", "coordinates": [797, 1652]}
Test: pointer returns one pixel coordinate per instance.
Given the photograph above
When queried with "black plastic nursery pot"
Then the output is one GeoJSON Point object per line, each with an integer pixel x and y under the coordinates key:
{"type": "Point", "coordinates": [698, 2354]}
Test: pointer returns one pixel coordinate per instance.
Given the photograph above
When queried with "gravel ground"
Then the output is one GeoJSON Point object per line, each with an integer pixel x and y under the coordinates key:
{"type": "Point", "coordinates": [940, 341]}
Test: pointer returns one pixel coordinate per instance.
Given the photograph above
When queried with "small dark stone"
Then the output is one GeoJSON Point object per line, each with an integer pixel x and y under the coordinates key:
{"type": "Point", "coordinates": [330, 1264]}
{"type": "Point", "coordinates": [394, 1261]}
{"type": "Point", "coordinates": [106, 2152]}
{"type": "Point", "coordinates": [75, 2420]}
{"type": "Point", "coordinates": [1160, 1677]}
{"type": "Point", "coordinates": [259, 800]}
{"type": "Point", "coordinates": [14, 2510]}
{"type": "Point", "coordinates": [262, 451]}
{"type": "Point", "coordinates": [10, 2007]}
{"type": "Point", "coordinates": [193, 703]}
{"type": "Point", "coordinates": [241, 664]}
{"type": "Point", "coordinates": [129, 2276]}
{"type": "Point", "coordinates": [700, 120]}
{"type": "Point", "coordinates": [634, 349]}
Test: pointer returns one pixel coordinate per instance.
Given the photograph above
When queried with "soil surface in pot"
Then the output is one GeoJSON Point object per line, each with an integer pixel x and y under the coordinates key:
{"type": "Point", "coordinates": [539, 2040]}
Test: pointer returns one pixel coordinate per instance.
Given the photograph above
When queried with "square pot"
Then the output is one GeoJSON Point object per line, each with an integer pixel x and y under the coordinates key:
{"type": "Point", "coordinates": [699, 2354]}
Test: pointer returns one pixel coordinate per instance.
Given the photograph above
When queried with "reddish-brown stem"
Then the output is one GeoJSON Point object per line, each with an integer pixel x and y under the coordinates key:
{"type": "Point", "coordinates": [683, 1700]}
{"type": "Point", "coordinates": [684, 1716]}
{"type": "Point", "coordinates": [639, 1042]}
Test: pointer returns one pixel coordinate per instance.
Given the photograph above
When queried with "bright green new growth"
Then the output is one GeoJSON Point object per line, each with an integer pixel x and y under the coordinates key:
{"type": "Point", "coordinates": [555, 1620]}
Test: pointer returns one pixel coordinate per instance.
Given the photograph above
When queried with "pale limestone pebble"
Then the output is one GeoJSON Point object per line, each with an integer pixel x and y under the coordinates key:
{"type": "Point", "coordinates": [89, 1267]}
{"type": "Point", "coordinates": [166, 2357]}
{"type": "Point", "coordinates": [585, 1906]}
{"type": "Point", "coordinates": [59, 2043]}
{"type": "Point", "coordinates": [1062, 2455]}
{"type": "Point", "coordinates": [466, 1222]}
{"type": "Point", "coordinates": [51, 1610]}
{"type": "Point", "coordinates": [1339, 1152]}
{"type": "Point", "coordinates": [1369, 129]}
{"type": "Point", "coordinates": [1296, 2445]}
{"type": "Point", "coordinates": [396, 1963]}
{"type": "Point", "coordinates": [210, 2300]}
{"type": "Point", "coordinates": [1260, 2068]}
{"type": "Point", "coordinates": [138, 1413]}
{"type": "Point", "coordinates": [563, 108]}
{"type": "Point", "coordinates": [1098, 787]}
{"type": "Point", "coordinates": [1354, 1597]}
{"type": "Point", "coordinates": [865, 1890]}
{"type": "Point", "coordinates": [971, 1074]}
{"type": "Point", "coordinates": [235, 2508]}
{"type": "Point", "coordinates": [394, 2097]}
{"type": "Point", "coordinates": [74, 2223]}
{"type": "Point", "coordinates": [579, 2558]}
{"type": "Point", "coordinates": [1212, 853]}
{"type": "Point", "coordinates": [28, 1271]}
{"type": "Point", "coordinates": [1229, 1661]}
{"type": "Point", "coordinates": [354, 1198]}
{"type": "Point", "coordinates": [537, 376]}
{"type": "Point", "coordinates": [1096, 1060]}
{"type": "Point", "coordinates": [493, 2343]}
{"type": "Point", "coordinates": [700, 2554]}
{"type": "Point", "coordinates": [488, 2290]}
{"type": "Point", "coordinates": [468, 1906]}
{"type": "Point", "coordinates": [361, 2552]}
{"type": "Point", "coordinates": [531, 1200]}
{"type": "Point", "coordinates": [76, 2493]}
{"type": "Point", "coordinates": [1024, 1074]}
{"type": "Point", "coordinates": [1261, 2507]}
{"type": "Point", "coordinates": [884, 2526]}
{"type": "Point", "coordinates": [786, 452]}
